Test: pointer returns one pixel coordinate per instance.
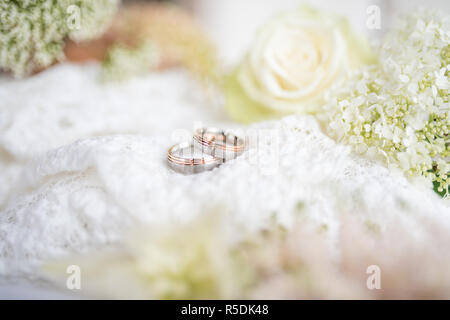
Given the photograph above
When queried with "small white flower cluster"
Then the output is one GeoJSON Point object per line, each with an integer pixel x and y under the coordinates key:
{"type": "Point", "coordinates": [32, 32]}
{"type": "Point", "coordinates": [122, 63]}
{"type": "Point", "coordinates": [399, 108]}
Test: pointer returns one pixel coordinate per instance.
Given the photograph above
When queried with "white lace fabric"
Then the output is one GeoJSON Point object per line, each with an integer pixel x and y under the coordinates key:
{"type": "Point", "coordinates": [82, 163]}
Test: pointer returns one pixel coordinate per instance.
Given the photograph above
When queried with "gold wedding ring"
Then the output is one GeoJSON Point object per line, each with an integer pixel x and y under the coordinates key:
{"type": "Point", "coordinates": [221, 144]}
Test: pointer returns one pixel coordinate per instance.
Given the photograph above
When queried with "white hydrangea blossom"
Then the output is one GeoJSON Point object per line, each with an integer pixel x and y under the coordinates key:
{"type": "Point", "coordinates": [32, 32]}
{"type": "Point", "coordinates": [399, 108]}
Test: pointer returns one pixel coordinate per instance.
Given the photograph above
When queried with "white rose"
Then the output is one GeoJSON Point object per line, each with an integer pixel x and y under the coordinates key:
{"type": "Point", "coordinates": [296, 57]}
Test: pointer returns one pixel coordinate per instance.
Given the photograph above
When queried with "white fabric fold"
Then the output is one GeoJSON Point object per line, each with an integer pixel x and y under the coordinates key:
{"type": "Point", "coordinates": [86, 187]}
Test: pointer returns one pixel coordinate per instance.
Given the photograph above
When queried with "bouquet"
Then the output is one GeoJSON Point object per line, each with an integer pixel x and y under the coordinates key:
{"type": "Point", "coordinates": [399, 109]}
{"type": "Point", "coordinates": [394, 107]}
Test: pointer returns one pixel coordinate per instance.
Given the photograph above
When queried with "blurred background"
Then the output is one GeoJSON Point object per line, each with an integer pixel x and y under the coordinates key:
{"type": "Point", "coordinates": [231, 24]}
{"type": "Point", "coordinates": [192, 33]}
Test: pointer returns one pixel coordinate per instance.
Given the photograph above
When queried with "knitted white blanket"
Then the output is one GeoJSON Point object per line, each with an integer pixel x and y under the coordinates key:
{"type": "Point", "coordinates": [81, 163]}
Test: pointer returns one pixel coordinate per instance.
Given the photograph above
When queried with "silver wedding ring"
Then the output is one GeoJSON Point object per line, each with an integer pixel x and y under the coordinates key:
{"type": "Point", "coordinates": [182, 158]}
{"type": "Point", "coordinates": [209, 149]}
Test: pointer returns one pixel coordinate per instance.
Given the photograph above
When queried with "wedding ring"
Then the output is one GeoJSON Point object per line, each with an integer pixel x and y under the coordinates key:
{"type": "Point", "coordinates": [218, 143]}
{"type": "Point", "coordinates": [184, 158]}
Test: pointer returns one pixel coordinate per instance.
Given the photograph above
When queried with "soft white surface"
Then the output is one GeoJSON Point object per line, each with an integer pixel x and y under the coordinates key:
{"type": "Point", "coordinates": [81, 163]}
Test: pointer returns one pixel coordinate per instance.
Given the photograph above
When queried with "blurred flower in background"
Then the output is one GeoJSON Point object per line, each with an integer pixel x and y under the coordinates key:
{"type": "Point", "coordinates": [33, 33]}
{"type": "Point", "coordinates": [198, 261]}
{"type": "Point", "coordinates": [173, 261]}
{"type": "Point", "coordinates": [129, 40]}
{"type": "Point", "coordinates": [145, 37]}
{"type": "Point", "coordinates": [293, 60]}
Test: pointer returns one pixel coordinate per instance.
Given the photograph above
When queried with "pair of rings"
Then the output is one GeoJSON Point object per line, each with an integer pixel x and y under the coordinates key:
{"type": "Point", "coordinates": [209, 149]}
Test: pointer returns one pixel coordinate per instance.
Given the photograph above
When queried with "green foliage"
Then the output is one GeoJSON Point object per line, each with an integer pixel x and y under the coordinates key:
{"type": "Point", "coordinates": [32, 32]}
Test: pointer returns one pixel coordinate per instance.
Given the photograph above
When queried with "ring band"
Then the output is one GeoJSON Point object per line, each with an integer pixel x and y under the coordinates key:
{"type": "Point", "coordinates": [191, 164]}
{"type": "Point", "coordinates": [218, 143]}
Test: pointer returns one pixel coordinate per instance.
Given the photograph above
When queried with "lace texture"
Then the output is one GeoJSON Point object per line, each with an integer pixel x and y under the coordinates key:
{"type": "Point", "coordinates": [82, 163]}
